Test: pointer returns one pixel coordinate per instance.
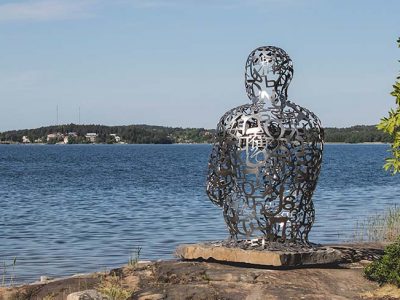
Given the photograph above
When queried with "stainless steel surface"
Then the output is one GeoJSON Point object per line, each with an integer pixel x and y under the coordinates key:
{"type": "Point", "coordinates": [267, 156]}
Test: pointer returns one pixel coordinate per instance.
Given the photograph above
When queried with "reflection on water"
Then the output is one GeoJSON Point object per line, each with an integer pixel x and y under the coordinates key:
{"type": "Point", "coordinates": [81, 208]}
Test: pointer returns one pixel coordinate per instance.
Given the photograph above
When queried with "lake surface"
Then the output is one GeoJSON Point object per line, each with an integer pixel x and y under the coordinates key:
{"type": "Point", "coordinates": [82, 208]}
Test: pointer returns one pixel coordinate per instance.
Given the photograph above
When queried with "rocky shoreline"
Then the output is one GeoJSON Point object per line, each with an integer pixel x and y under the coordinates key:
{"type": "Point", "coordinates": [176, 279]}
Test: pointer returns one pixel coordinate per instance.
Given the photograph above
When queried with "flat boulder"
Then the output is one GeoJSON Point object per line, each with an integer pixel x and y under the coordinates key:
{"type": "Point", "coordinates": [265, 257]}
{"type": "Point", "coordinates": [86, 295]}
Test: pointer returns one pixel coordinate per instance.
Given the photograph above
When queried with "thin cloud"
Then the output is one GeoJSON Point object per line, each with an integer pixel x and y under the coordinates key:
{"type": "Point", "coordinates": [44, 10]}
{"type": "Point", "coordinates": [217, 3]}
{"type": "Point", "coordinates": [155, 3]}
{"type": "Point", "coordinates": [24, 79]}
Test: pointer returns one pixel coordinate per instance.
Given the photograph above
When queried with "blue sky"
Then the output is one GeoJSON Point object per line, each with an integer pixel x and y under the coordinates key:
{"type": "Point", "coordinates": [181, 63]}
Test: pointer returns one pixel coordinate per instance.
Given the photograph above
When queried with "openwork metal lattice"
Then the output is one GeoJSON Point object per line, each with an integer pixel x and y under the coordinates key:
{"type": "Point", "coordinates": [265, 162]}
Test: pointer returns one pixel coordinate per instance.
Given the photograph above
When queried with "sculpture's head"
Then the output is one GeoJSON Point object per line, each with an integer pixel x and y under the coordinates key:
{"type": "Point", "coordinates": [269, 71]}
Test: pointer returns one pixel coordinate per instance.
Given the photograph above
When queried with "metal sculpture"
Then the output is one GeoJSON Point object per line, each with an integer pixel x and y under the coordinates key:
{"type": "Point", "coordinates": [265, 162]}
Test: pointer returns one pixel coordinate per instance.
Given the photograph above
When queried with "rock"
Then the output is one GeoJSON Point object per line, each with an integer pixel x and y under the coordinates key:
{"type": "Point", "coordinates": [44, 278]}
{"type": "Point", "coordinates": [216, 275]}
{"type": "Point", "coordinates": [86, 295]}
{"type": "Point", "coordinates": [365, 262]}
{"type": "Point", "coordinates": [149, 296]}
{"type": "Point", "coordinates": [360, 251]}
{"type": "Point", "coordinates": [177, 279]}
{"type": "Point", "coordinates": [323, 255]}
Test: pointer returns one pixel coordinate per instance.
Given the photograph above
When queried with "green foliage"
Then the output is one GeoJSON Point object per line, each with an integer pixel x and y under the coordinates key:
{"type": "Point", "coordinates": [391, 125]}
{"type": "Point", "coordinates": [134, 258]}
{"type": "Point", "coordinates": [73, 139]}
{"type": "Point", "coordinates": [110, 139]}
{"type": "Point", "coordinates": [356, 134]}
{"type": "Point", "coordinates": [387, 268]}
{"type": "Point", "coordinates": [112, 287]}
{"type": "Point", "coordinates": [52, 141]}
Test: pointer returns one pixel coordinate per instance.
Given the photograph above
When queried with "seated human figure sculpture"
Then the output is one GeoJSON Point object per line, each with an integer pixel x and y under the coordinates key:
{"type": "Point", "coordinates": [267, 156]}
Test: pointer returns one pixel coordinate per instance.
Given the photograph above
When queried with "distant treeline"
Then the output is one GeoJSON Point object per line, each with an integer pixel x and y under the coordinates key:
{"type": "Point", "coordinates": [131, 134]}
{"type": "Point", "coordinates": [357, 134]}
{"type": "Point", "coordinates": [146, 134]}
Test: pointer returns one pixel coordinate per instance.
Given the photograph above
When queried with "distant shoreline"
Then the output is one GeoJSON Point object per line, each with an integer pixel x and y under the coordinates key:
{"type": "Point", "coordinates": [362, 143]}
{"type": "Point", "coordinates": [149, 134]}
{"type": "Point", "coordinates": [124, 144]}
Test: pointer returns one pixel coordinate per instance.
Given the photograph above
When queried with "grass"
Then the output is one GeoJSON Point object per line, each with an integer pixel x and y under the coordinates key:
{"type": "Point", "coordinates": [3, 280]}
{"type": "Point", "coordinates": [388, 291]}
{"type": "Point", "coordinates": [382, 227]}
{"type": "Point", "coordinates": [12, 273]}
{"type": "Point", "coordinates": [51, 296]}
{"type": "Point", "coordinates": [205, 277]}
{"type": "Point", "coordinates": [111, 287]}
{"type": "Point", "coordinates": [22, 295]}
{"type": "Point", "coordinates": [134, 258]}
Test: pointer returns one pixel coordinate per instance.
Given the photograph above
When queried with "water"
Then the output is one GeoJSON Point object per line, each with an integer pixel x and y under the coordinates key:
{"type": "Point", "coordinates": [82, 208]}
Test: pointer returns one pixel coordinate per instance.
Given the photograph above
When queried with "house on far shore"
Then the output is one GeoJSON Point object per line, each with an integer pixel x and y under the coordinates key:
{"type": "Point", "coordinates": [26, 140]}
{"type": "Point", "coordinates": [116, 137]}
{"type": "Point", "coordinates": [91, 137]}
{"type": "Point", "coordinates": [74, 134]}
{"type": "Point", "coordinates": [54, 136]}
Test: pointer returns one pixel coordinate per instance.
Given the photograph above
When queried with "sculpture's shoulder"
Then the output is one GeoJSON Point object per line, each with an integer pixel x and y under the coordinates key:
{"type": "Point", "coordinates": [305, 118]}
{"type": "Point", "coordinates": [231, 118]}
{"type": "Point", "coordinates": [303, 114]}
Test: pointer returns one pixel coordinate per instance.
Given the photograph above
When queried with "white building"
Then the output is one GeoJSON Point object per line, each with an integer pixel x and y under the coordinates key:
{"type": "Point", "coordinates": [55, 136]}
{"type": "Point", "coordinates": [116, 137]}
{"type": "Point", "coordinates": [26, 140]}
{"type": "Point", "coordinates": [91, 137]}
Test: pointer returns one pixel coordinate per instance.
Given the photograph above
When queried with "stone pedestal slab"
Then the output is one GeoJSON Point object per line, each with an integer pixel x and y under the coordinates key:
{"type": "Point", "coordinates": [265, 257]}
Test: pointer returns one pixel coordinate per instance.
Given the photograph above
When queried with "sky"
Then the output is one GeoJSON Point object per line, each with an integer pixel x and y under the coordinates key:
{"type": "Point", "coordinates": [181, 63]}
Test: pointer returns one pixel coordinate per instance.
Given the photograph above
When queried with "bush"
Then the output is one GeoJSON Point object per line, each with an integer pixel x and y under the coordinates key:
{"type": "Point", "coordinates": [387, 268]}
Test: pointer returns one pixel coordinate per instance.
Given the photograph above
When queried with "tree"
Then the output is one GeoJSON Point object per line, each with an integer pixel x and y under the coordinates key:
{"type": "Point", "coordinates": [110, 139]}
{"type": "Point", "coordinates": [72, 139]}
{"type": "Point", "coordinates": [391, 125]}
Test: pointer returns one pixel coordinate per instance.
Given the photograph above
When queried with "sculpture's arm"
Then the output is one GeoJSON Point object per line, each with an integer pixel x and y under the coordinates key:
{"type": "Point", "coordinates": [220, 175]}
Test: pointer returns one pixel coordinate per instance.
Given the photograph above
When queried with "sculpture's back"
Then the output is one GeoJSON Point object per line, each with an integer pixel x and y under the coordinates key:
{"type": "Point", "coordinates": [265, 163]}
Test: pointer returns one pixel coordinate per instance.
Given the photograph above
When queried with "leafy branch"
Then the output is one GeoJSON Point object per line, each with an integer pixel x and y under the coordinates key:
{"type": "Point", "coordinates": [391, 125]}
